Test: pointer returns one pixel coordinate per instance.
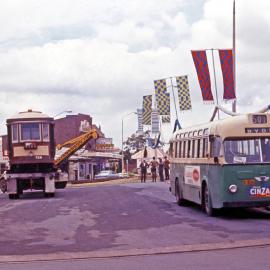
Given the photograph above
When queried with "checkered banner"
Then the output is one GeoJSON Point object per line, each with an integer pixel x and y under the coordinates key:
{"type": "Point", "coordinates": [183, 93]}
{"type": "Point", "coordinates": [155, 121]}
{"type": "Point", "coordinates": [140, 120]}
{"type": "Point", "coordinates": [162, 97]}
{"type": "Point", "coordinates": [166, 119]}
{"type": "Point", "coordinates": [147, 109]}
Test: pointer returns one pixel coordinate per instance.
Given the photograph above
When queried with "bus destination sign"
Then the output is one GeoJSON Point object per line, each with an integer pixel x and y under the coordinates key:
{"type": "Point", "coordinates": [259, 119]}
{"type": "Point", "coordinates": [257, 130]}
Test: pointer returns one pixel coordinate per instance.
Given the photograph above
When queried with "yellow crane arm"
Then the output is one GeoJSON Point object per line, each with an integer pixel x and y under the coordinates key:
{"type": "Point", "coordinates": [76, 144]}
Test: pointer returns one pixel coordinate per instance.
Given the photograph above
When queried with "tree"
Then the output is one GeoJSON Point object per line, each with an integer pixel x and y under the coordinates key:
{"type": "Point", "coordinates": [135, 143]}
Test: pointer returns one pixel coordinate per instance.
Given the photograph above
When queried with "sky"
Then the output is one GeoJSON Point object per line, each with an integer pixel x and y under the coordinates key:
{"type": "Point", "coordinates": [101, 57]}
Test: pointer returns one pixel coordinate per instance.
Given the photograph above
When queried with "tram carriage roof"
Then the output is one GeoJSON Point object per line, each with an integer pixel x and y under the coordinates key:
{"type": "Point", "coordinates": [233, 126]}
{"type": "Point", "coordinates": [29, 115]}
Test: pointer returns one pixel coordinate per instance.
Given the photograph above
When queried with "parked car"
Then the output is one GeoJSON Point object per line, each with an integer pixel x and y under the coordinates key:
{"type": "Point", "coordinates": [106, 174]}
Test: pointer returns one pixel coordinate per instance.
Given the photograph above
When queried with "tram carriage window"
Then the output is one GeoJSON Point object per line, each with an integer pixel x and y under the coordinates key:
{"type": "Point", "coordinates": [14, 128]}
{"type": "Point", "coordinates": [45, 132]}
{"type": "Point", "coordinates": [30, 131]}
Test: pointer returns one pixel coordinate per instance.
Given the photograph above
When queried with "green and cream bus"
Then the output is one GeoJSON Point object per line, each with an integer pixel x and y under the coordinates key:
{"type": "Point", "coordinates": [225, 163]}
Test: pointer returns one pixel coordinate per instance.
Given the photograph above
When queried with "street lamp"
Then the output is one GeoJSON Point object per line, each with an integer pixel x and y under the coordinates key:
{"type": "Point", "coordinates": [66, 111]}
{"type": "Point", "coordinates": [123, 165]}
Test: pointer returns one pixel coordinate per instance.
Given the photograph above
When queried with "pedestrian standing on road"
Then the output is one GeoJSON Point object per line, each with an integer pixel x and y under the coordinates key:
{"type": "Point", "coordinates": [153, 165]}
{"type": "Point", "coordinates": [144, 165]}
{"type": "Point", "coordinates": [161, 170]}
{"type": "Point", "coordinates": [167, 168]}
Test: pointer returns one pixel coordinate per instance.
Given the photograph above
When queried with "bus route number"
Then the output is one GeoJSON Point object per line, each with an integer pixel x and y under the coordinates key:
{"type": "Point", "coordinates": [259, 119]}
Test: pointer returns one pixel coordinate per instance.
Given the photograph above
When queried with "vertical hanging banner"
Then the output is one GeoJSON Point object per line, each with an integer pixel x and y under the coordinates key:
{"type": "Point", "coordinates": [162, 97]}
{"type": "Point", "coordinates": [183, 93]}
{"type": "Point", "coordinates": [140, 120]}
{"type": "Point", "coordinates": [226, 63]}
{"type": "Point", "coordinates": [166, 119]}
{"type": "Point", "coordinates": [155, 122]}
{"type": "Point", "coordinates": [147, 108]}
{"type": "Point", "coordinates": [201, 65]}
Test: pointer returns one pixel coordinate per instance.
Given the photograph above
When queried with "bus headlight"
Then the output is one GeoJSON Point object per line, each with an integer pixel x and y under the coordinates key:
{"type": "Point", "coordinates": [233, 188]}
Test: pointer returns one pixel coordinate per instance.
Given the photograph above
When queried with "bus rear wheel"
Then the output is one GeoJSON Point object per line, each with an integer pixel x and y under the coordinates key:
{"type": "Point", "coordinates": [207, 202]}
{"type": "Point", "coordinates": [178, 195]}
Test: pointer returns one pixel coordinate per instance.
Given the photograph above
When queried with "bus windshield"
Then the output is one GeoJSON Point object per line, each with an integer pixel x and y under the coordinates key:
{"type": "Point", "coordinates": [247, 150]}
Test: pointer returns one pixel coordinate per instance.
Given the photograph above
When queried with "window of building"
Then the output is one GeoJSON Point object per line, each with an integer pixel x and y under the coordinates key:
{"type": "Point", "coordinates": [180, 149]}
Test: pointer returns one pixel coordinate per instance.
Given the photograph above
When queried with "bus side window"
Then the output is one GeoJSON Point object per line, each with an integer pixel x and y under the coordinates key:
{"type": "Point", "coordinates": [185, 149]}
{"type": "Point", "coordinates": [180, 148]}
{"type": "Point", "coordinates": [205, 147]}
{"type": "Point", "coordinates": [193, 149]}
{"type": "Point", "coordinates": [201, 148]}
{"type": "Point", "coordinates": [188, 148]}
{"type": "Point", "coordinates": [198, 148]}
{"type": "Point", "coordinates": [171, 149]}
{"type": "Point", "coordinates": [175, 149]}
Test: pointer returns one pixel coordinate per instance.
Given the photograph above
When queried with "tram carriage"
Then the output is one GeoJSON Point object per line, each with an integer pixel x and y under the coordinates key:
{"type": "Point", "coordinates": [225, 163]}
{"type": "Point", "coordinates": [31, 149]}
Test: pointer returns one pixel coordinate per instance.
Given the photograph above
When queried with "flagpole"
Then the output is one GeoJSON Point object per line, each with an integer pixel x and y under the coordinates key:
{"type": "Point", "coordinates": [215, 79]}
{"type": "Point", "coordinates": [234, 59]}
{"type": "Point", "coordinates": [174, 100]}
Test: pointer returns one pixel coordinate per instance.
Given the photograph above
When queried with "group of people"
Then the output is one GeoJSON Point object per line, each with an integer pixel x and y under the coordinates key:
{"type": "Point", "coordinates": [159, 166]}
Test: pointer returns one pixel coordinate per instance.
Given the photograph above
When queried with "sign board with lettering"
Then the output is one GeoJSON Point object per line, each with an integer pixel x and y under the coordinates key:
{"type": "Point", "coordinates": [193, 175]}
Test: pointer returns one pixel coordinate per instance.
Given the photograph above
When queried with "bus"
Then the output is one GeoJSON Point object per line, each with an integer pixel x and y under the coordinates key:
{"type": "Point", "coordinates": [222, 164]}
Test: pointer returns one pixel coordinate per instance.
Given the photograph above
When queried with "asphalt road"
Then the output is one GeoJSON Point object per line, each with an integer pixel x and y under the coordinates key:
{"type": "Point", "coordinates": [103, 220]}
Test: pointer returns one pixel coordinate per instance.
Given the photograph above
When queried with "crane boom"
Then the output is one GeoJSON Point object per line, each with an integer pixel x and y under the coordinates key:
{"type": "Point", "coordinates": [76, 144]}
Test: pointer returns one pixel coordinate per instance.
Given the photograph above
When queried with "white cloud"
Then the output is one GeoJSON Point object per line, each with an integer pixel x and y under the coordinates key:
{"type": "Point", "coordinates": [101, 57]}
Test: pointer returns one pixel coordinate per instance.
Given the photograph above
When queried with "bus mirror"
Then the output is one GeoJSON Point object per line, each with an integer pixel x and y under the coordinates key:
{"type": "Point", "coordinates": [216, 146]}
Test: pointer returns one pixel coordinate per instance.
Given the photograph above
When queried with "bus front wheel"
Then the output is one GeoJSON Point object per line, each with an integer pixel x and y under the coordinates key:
{"type": "Point", "coordinates": [207, 202]}
{"type": "Point", "coordinates": [178, 194]}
